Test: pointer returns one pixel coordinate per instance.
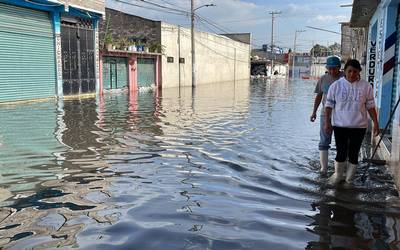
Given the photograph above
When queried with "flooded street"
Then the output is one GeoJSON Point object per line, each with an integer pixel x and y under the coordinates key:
{"type": "Point", "coordinates": [230, 166]}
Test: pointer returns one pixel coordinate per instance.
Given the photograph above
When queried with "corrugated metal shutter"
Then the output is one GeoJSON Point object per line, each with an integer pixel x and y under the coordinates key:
{"type": "Point", "coordinates": [27, 57]}
{"type": "Point", "coordinates": [115, 72]}
{"type": "Point", "coordinates": [146, 71]}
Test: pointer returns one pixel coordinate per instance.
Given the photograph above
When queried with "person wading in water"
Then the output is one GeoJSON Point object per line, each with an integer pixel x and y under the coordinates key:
{"type": "Point", "coordinates": [321, 89]}
{"type": "Point", "coordinates": [348, 101]}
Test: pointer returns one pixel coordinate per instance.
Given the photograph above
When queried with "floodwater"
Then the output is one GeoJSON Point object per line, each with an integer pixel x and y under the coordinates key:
{"type": "Point", "coordinates": [228, 166]}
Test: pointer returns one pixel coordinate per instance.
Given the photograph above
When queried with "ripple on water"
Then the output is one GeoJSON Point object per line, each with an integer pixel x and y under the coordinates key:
{"type": "Point", "coordinates": [228, 166]}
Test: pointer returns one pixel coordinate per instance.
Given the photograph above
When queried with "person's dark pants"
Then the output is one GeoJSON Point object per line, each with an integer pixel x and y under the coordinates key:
{"type": "Point", "coordinates": [348, 143]}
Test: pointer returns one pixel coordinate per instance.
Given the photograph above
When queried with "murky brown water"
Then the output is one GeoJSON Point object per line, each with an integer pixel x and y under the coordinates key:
{"type": "Point", "coordinates": [230, 166]}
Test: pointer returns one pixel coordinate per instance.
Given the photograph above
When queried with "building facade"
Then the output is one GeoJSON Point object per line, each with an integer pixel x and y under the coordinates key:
{"type": "Point", "coordinates": [127, 63]}
{"type": "Point", "coordinates": [48, 48]}
{"type": "Point", "coordinates": [382, 20]}
{"type": "Point", "coordinates": [301, 68]}
{"type": "Point", "coordinates": [218, 58]}
{"type": "Point", "coordinates": [168, 62]}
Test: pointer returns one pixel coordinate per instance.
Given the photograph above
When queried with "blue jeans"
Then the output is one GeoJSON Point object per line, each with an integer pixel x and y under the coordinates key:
{"type": "Point", "coordinates": [325, 139]}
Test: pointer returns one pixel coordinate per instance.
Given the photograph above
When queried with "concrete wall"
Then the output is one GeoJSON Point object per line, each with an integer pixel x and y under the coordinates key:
{"type": "Point", "coordinates": [218, 58]}
{"type": "Point", "coordinates": [347, 41]}
{"type": "Point", "coordinates": [134, 28]}
{"type": "Point", "coordinates": [92, 5]}
{"type": "Point", "coordinates": [317, 70]}
{"type": "Point", "coordinates": [240, 37]}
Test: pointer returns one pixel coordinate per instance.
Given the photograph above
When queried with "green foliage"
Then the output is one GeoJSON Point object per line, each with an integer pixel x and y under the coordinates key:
{"type": "Point", "coordinates": [123, 42]}
{"type": "Point", "coordinates": [108, 39]}
{"type": "Point", "coordinates": [320, 50]}
{"type": "Point", "coordinates": [156, 47]}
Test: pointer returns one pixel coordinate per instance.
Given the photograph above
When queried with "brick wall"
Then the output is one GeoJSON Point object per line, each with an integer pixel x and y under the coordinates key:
{"type": "Point", "coordinates": [134, 28]}
{"type": "Point", "coordinates": [97, 5]}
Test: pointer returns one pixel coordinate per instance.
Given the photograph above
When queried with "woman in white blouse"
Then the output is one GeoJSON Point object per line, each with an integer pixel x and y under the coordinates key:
{"type": "Point", "coordinates": [348, 101]}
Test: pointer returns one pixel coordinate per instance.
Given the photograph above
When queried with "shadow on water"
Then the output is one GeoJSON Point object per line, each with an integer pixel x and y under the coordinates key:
{"type": "Point", "coordinates": [228, 166]}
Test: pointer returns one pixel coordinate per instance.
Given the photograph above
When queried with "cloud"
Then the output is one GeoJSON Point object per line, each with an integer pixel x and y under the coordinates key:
{"type": "Point", "coordinates": [298, 9]}
{"type": "Point", "coordinates": [250, 16]}
{"type": "Point", "coordinates": [329, 18]}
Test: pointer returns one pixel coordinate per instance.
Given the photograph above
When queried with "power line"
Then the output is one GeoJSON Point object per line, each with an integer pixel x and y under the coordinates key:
{"type": "Point", "coordinates": [171, 4]}
{"type": "Point", "coordinates": [216, 52]}
{"type": "Point", "coordinates": [150, 8]}
{"type": "Point", "coordinates": [163, 6]}
{"type": "Point", "coordinates": [214, 24]}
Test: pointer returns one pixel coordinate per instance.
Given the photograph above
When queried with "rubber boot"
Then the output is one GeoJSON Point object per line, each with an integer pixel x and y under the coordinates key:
{"type": "Point", "coordinates": [351, 172]}
{"type": "Point", "coordinates": [323, 158]}
{"type": "Point", "coordinates": [338, 175]}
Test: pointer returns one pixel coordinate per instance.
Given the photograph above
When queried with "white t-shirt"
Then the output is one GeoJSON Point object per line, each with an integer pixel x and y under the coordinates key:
{"type": "Point", "coordinates": [350, 103]}
{"type": "Point", "coordinates": [323, 85]}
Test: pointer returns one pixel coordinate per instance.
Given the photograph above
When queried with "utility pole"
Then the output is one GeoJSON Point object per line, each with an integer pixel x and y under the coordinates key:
{"type": "Point", "coordinates": [294, 49]}
{"type": "Point", "coordinates": [193, 44]}
{"type": "Point", "coordinates": [192, 16]}
{"type": "Point", "coordinates": [313, 70]}
{"type": "Point", "coordinates": [273, 13]}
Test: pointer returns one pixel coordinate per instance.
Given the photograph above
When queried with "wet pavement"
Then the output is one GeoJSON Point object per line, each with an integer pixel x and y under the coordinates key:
{"type": "Point", "coordinates": [229, 166]}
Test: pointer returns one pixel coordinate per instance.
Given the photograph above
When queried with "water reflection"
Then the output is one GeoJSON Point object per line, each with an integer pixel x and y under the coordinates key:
{"type": "Point", "coordinates": [227, 166]}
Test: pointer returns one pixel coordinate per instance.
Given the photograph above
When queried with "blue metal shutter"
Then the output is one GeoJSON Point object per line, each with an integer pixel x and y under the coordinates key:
{"type": "Point", "coordinates": [146, 71]}
{"type": "Point", "coordinates": [27, 54]}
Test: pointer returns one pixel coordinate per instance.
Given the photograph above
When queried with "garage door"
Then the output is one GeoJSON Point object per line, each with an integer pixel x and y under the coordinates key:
{"type": "Point", "coordinates": [27, 58]}
{"type": "Point", "coordinates": [146, 70]}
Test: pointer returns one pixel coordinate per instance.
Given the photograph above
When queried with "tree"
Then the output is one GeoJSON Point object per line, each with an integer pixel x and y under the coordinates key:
{"type": "Point", "coordinates": [335, 48]}
{"type": "Point", "coordinates": [319, 50]}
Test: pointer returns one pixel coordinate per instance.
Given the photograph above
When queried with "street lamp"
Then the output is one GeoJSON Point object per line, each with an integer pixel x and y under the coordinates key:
{"type": "Point", "coordinates": [205, 5]}
{"type": "Point", "coordinates": [193, 9]}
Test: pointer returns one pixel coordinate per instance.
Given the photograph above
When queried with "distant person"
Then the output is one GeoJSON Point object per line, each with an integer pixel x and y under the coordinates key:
{"type": "Point", "coordinates": [348, 101]}
{"type": "Point", "coordinates": [333, 73]}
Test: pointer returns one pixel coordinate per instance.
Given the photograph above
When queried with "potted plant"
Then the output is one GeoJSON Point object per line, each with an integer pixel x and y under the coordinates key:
{"type": "Point", "coordinates": [108, 41]}
{"type": "Point", "coordinates": [156, 47]}
{"type": "Point", "coordinates": [124, 43]}
{"type": "Point", "coordinates": [132, 46]}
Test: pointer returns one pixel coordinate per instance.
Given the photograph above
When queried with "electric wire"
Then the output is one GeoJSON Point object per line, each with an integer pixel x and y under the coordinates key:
{"type": "Point", "coordinates": [151, 8]}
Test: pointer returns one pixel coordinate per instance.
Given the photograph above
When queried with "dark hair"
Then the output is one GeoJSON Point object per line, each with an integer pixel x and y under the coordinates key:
{"type": "Point", "coordinates": [353, 63]}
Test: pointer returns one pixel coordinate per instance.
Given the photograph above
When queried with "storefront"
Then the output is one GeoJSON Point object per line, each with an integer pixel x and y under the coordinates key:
{"type": "Point", "coordinates": [121, 69]}
{"type": "Point", "coordinates": [27, 59]}
{"type": "Point", "coordinates": [383, 60]}
{"type": "Point", "coordinates": [47, 49]}
{"type": "Point", "coordinates": [115, 72]}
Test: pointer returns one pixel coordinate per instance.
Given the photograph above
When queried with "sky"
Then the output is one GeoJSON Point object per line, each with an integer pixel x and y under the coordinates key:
{"type": "Point", "coordinates": [236, 16]}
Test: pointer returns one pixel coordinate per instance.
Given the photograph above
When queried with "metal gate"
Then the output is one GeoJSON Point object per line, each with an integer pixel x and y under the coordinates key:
{"type": "Point", "coordinates": [78, 56]}
{"type": "Point", "coordinates": [146, 71]}
{"type": "Point", "coordinates": [115, 72]}
{"type": "Point", "coordinates": [27, 54]}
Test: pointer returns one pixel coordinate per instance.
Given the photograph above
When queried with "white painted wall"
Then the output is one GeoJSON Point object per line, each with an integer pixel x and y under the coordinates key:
{"type": "Point", "coordinates": [318, 70]}
{"type": "Point", "coordinates": [218, 58]}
